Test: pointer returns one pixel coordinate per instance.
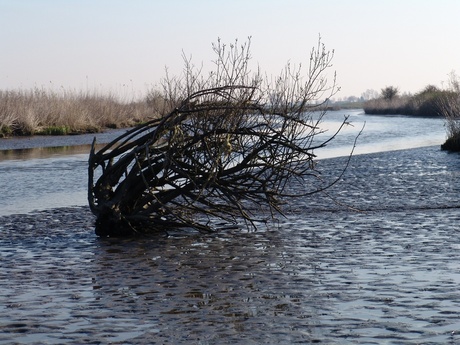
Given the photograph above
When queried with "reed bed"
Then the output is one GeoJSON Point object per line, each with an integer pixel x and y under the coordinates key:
{"type": "Point", "coordinates": [451, 112]}
{"type": "Point", "coordinates": [41, 111]}
{"type": "Point", "coordinates": [425, 103]}
{"type": "Point", "coordinates": [380, 106]}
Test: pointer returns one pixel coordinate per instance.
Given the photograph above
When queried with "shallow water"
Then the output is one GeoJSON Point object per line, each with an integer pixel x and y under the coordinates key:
{"type": "Point", "coordinates": [375, 261]}
{"type": "Point", "coordinates": [348, 279]}
{"type": "Point", "coordinates": [41, 173]}
{"type": "Point", "coordinates": [38, 178]}
{"type": "Point", "coordinates": [379, 133]}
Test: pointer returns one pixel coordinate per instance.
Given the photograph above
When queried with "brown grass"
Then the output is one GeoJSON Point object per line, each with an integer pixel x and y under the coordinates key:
{"type": "Point", "coordinates": [40, 111]}
{"type": "Point", "coordinates": [451, 111]}
{"type": "Point", "coordinates": [380, 106]}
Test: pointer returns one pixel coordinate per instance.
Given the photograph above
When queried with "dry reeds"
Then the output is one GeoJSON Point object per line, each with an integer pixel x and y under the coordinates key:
{"type": "Point", "coordinates": [424, 103]}
{"type": "Point", "coordinates": [451, 112]}
{"type": "Point", "coordinates": [380, 106]}
{"type": "Point", "coordinates": [40, 111]}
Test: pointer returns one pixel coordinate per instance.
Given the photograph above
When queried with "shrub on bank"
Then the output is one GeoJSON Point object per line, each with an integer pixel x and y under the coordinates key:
{"type": "Point", "coordinates": [39, 111]}
{"type": "Point", "coordinates": [450, 108]}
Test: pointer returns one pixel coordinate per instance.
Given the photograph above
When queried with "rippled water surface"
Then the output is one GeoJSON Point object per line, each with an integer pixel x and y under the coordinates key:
{"type": "Point", "coordinates": [375, 261]}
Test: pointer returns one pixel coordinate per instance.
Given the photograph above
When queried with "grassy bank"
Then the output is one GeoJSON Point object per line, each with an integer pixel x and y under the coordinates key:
{"type": "Point", "coordinates": [39, 111]}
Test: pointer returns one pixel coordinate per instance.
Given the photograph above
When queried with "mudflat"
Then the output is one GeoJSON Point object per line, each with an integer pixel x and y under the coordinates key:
{"type": "Point", "coordinates": [376, 260]}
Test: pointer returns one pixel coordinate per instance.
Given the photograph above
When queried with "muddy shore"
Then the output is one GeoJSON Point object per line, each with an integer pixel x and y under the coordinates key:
{"type": "Point", "coordinates": [374, 261]}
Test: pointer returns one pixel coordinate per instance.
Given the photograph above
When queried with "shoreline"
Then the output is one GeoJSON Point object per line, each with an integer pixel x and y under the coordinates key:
{"type": "Point", "coordinates": [39, 141]}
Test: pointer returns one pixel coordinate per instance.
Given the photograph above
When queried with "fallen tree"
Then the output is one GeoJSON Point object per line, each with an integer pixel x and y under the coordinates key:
{"type": "Point", "coordinates": [226, 150]}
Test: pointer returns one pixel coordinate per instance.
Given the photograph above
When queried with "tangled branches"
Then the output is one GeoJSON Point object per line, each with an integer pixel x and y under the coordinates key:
{"type": "Point", "coordinates": [225, 152]}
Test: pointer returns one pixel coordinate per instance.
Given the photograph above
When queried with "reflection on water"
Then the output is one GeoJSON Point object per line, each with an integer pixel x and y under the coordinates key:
{"type": "Point", "coordinates": [43, 178]}
{"type": "Point", "coordinates": [43, 152]}
{"type": "Point", "coordinates": [212, 288]}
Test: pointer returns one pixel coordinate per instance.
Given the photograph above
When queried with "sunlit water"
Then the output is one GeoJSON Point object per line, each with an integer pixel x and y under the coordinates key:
{"type": "Point", "coordinates": [378, 133]}
{"type": "Point", "coordinates": [376, 261]}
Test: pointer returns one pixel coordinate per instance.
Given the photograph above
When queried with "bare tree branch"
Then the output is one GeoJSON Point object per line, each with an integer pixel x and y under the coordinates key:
{"type": "Point", "coordinates": [231, 144]}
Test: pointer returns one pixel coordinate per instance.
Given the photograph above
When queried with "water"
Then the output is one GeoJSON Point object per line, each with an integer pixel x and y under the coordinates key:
{"type": "Point", "coordinates": [376, 261]}
{"type": "Point", "coordinates": [379, 133]}
{"type": "Point", "coordinates": [46, 172]}
{"type": "Point", "coordinates": [41, 178]}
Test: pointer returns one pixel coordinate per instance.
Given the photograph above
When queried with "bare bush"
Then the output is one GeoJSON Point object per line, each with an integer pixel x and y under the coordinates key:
{"type": "Point", "coordinates": [450, 109]}
{"type": "Point", "coordinates": [233, 142]}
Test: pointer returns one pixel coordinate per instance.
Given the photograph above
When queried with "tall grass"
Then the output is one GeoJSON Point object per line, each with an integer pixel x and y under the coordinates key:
{"type": "Point", "coordinates": [451, 112]}
{"type": "Point", "coordinates": [381, 106]}
{"type": "Point", "coordinates": [40, 111]}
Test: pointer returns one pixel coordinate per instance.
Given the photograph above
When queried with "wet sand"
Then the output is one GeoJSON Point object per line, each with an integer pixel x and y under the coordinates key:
{"type": "Point", "coordinates": [375, 261]}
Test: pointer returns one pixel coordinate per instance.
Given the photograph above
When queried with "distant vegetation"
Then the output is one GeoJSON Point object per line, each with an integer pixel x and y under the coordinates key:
{"type": "Point", "coordinates": [427, 102]}
{"type": "Point", "coordinates": [40, 111]}
{"type": "Point", "coordinates": [337, 105]}
{"type": "Point", "coordinates": [44, 112]}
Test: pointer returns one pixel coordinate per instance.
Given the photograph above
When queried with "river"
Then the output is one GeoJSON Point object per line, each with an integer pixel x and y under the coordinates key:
{"type": "Point", "coordinates": [375, 261]}
{"type": "Point", "coordinates": [38, 177]}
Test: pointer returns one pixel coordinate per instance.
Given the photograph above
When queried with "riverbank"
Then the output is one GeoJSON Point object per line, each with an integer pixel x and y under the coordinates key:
{"type": "Point", "coordinates": [39, 141]}
{"type": "Point", "coordinates": [376, 260]}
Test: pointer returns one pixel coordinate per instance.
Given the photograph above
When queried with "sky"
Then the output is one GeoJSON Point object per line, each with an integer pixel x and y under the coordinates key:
{"type": "Point", "coordinates": [124, 46]}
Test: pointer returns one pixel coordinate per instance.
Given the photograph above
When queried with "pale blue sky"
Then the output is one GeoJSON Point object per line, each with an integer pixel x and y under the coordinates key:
{"type": "Point", "coordinates": [125, 45]}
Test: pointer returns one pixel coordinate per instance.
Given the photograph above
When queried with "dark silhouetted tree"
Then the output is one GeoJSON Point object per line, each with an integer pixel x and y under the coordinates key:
{"type": "Point", "coordinates": [230, 144]}
{"type": "Point", "coordinates": [389, 93]}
